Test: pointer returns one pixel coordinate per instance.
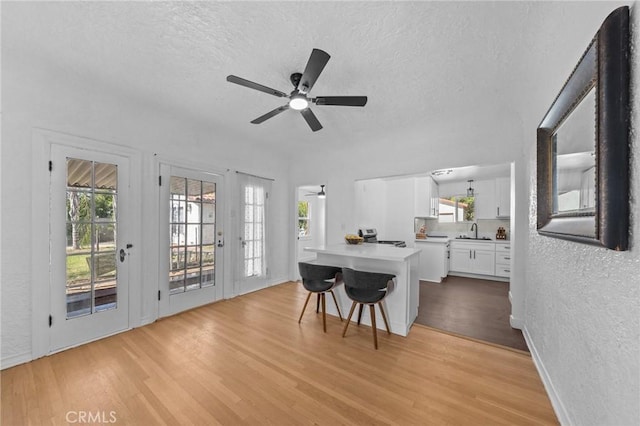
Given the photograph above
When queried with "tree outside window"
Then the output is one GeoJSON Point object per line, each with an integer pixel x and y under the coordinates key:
{"type": "Point", "coordinates": [303, 219]}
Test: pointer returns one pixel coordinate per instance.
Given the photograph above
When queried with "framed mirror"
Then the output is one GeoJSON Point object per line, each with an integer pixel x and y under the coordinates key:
{"type": "Point", "coordinates": [583, 145]}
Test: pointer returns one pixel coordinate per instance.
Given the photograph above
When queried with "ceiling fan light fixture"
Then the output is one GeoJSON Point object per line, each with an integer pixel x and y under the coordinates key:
{"type": "Point", "coordinates": [298, 102]}
{"type": "Point", "coordinates": [322, 194]}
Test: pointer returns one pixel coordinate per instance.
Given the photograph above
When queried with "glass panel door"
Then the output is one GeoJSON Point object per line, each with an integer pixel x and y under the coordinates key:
{"type": "Point", "coordinates": [253, 270]}
{"type": "Point", "coordinates": [192, 238]}
{"type": "Point", "coordinates": [88, 249]}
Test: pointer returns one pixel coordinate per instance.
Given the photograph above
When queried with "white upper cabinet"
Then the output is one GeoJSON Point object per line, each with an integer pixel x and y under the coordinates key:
{"type": "Point", "coordinates": [588, 189]}
{"type": "Point", "coordinates": [485, 202]}
{"type": "Point", "coordinates": [493, 198]}
{"type": "Point", "coordinates": [503, 197]}
{"type": "Point", "coordinates": [426, 197]}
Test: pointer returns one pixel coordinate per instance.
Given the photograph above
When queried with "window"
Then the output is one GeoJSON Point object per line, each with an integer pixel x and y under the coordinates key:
{"type": "Point", "coordinates": [457, 208]}
{"type": "Point", "coordinates": [303, 219]}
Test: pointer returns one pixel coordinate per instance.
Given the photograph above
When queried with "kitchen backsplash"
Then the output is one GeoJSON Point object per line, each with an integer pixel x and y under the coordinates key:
{"type": "Point", "coordinates": [486, 227]}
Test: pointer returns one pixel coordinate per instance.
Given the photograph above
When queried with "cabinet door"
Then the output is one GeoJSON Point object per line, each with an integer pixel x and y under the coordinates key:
{"type": "Point", "coordinates": [422, 197]}
{"type": "Point", "coordinates": [587, 189]}
{"type": "Point", "coordinates": [461, 260]}
{"type": "Point", "coordinates": [484, 262]}
{"type": "Point", "coordinates": [503, 197]}
{"type": "Point", "coordinates": [431, 261]}
{"type": "Point", "coordinates": [447, 261]}
{"type": "Point", "coordinates": [485, 199]}
{"type": "Point", "coordinates": [435, 197]}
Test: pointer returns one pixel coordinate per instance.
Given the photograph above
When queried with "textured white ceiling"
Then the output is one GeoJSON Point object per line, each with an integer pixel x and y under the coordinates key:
{"type": "Point", "coordinates": [422, 64]}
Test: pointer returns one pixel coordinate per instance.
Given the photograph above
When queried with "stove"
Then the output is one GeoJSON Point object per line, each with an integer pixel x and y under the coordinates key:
{"type": "Point", "coordinates": [370, 235]}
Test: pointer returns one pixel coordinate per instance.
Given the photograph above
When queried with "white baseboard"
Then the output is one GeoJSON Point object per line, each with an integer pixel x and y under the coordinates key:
{"type": "Point", "coordinates": [556, 402]}
{"type": "Point", "coordinates": [516, 322]}
{"type": "Point", "coordinates": [13, 360]}
{"type": "Point", "coordinates": [276, 281]}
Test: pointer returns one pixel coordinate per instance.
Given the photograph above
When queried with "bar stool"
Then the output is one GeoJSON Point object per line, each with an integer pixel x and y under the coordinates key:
{"type": "Point", "coordinates": [367, 288]}
{"type": "Point", "coordinates": [320, 279]}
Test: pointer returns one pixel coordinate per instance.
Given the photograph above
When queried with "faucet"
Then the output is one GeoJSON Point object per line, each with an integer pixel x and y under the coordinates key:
{"type": "Point", "coordinates": [474, 225]}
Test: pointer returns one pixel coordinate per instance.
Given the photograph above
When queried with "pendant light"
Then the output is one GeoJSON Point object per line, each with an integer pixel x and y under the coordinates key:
{"type": "Point", "coordinates": [470, 189]}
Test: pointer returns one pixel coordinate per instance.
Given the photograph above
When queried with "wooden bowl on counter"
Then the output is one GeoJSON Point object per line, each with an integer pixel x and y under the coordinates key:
{"type": "Point", "coordinates": [353, 239]}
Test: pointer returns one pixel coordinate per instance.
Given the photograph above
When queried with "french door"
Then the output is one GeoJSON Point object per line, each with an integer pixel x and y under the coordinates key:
{"type": "Point", "coordinates": [90, 219]}
{"type": "Point", "coordinates": [252, 263]}
{"type": "Point", "coordinates": [191, 239]}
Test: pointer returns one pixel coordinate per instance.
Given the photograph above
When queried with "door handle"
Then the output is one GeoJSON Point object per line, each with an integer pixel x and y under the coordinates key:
{"type": "Point", "coordinates": [123, 254]}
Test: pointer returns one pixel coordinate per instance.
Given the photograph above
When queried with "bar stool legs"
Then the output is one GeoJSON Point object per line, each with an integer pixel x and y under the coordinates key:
{"type": "Point", "coordinates": [304, 307]}
{"type": "Point", "coordinates": [321, 300]}
{"type": "Point", "coordinates": [372, 311]}
{"type": "Point", "coordinates": [353, 307]}
{"type": "Point", "coordinates": [336, 302]}
{"type": "Point", "coordinates": [384, 317]}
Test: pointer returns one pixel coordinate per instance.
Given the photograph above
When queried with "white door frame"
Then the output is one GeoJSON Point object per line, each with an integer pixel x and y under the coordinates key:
{"type": "Point", "coordinates": [41, 296]}
{"type": "Point", "coordinates": [315, 216]}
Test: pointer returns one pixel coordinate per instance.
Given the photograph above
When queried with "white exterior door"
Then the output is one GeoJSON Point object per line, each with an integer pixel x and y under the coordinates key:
{"type": "Point", "coordinates": [90, 225]}
{"type": "Point", "coordinates": [191, 239]}
{"type": "Point", "coordinates": [253, 270]}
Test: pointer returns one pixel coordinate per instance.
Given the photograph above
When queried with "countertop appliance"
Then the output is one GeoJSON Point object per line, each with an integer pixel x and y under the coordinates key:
{"type": "Point", "coordinates": [370, 235]}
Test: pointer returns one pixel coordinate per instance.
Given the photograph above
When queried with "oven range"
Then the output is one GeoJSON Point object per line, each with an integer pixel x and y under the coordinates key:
{"type": "Point", "coordinates": [370, 235]}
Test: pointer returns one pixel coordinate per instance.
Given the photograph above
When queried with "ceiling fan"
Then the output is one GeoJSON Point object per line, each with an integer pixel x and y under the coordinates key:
{"type": "Point", "coordinates": [320, 194]}
{"type": "Point", "coordinates": [298, 99]}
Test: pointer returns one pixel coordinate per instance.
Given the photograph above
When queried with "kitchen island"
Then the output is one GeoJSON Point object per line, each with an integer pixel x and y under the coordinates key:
{"type": "Point", "coordinates": [401, 305]}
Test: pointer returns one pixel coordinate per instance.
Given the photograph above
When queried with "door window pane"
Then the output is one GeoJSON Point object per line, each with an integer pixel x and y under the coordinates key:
{"type": "Point", "coordinates": [192, 234]}
{"type": "Point", "coordinates": [253, 230]}
{"type": "Point", "coordinates": [91, 207]}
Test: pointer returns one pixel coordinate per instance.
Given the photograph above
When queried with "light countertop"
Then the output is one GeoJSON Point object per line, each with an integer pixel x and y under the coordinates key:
{"type": "Point", "coordinates": [462, 240]}
{"type": "Point", "coordinates": [367, 251]}
{"type": "Point", "coordinates": [433, 240]}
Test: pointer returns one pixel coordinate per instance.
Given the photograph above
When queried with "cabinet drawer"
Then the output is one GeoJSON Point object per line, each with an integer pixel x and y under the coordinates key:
{"type": "Point", "coordinates": [473, 246]}
{"type": "Point", "coordinates": [503, 271]}
{"type": "Point", "coordinates": [502, 258]}
{"type": "Point", "coordinates": [503, 248]}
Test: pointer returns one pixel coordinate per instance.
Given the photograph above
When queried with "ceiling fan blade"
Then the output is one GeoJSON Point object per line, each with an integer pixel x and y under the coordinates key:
{"type": "Point", "coordinates": [315, 65]}
{"type": "Point", "coordinates": [270, 114]}
{"type": "Point", "coordinates": [255, 86]}
{"type": "Point", "coordinates": [358, 101]}
{"type": "Point", "coordinates": [311, 119]}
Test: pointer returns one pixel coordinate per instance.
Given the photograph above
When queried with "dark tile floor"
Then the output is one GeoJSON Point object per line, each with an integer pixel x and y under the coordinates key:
{"type": "Point", "coordinates": [471, 307]}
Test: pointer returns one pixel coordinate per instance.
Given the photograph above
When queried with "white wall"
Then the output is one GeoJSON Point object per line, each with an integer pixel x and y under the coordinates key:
{"type": "Point", "coordinates": [583, 304]}
{"type": "Point", "coordinates": [40, 95]}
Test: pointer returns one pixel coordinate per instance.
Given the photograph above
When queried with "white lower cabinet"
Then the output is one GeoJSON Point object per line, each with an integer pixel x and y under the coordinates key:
{"type": "Point", "coordinates": [434, 260]}
{"type": "Point", "coordinates": [503, 260]}
{"type": "Point", "coordinates": [473, 258]}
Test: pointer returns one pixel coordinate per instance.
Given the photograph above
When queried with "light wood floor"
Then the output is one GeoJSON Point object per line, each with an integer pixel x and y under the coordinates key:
{"type": "Point", "coordinates": [248, 361]}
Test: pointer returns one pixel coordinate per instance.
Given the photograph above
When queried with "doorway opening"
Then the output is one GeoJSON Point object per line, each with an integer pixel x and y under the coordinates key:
{"type": "Point", "coordinates": [310, 222]}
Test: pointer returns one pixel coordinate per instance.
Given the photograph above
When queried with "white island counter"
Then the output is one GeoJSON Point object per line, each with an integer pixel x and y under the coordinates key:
{"type": "Point", "coordinates": [401, 305]}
